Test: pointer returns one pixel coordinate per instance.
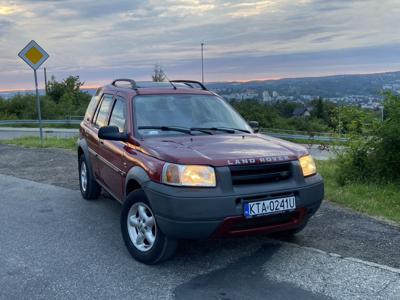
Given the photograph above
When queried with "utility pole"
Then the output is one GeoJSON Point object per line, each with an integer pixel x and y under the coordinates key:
{"type": "Point", "coordinates": [382, 115]}
{"type": "Point", "coordinates": [202, 63]}
{"type": "Point", "coordinates": [45, 81]}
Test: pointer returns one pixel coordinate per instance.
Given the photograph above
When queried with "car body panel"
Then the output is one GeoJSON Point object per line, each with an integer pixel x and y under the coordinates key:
{"type": "Point", "coordinates": [222, 149]}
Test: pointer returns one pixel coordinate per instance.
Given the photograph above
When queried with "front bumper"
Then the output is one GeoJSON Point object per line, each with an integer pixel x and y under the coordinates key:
{"type": "Point", "coordinates": [200, 213]}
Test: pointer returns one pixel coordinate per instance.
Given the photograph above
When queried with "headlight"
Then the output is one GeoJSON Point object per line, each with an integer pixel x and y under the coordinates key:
{"type": "Point", "coordinates": [189, 175]}
{"type": "Point", "coordinates": [308, 165]}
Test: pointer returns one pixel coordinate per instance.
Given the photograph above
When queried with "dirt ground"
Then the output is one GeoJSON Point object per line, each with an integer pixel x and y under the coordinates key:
{"type": "Point", "coordinates": [52, 166]}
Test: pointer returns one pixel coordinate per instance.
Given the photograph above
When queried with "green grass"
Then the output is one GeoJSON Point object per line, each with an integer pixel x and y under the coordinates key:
{"type": "Point", "coordinates": [380, 200]}
{"type": "Point", "coordinates": [48, 142]}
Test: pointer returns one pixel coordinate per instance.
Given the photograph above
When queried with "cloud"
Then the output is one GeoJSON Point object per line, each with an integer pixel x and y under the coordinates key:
{"type": "Point", "coordinates": [5, 26]}
{"type": "Point", "coordinates": [102, 38]}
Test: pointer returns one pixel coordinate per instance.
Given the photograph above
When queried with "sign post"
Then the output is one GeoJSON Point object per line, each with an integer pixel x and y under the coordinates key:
{"type": "Point", "coordinates": [38, 107]}
{"type": "Point", "coordinates": [35, 56]}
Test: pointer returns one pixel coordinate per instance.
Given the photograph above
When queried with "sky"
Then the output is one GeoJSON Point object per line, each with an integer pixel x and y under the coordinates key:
{"type": "Point", "coordinates": [244, 40]}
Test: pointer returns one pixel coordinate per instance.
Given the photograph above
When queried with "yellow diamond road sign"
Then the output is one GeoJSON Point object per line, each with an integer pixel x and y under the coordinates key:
{"type": "Point", "coordinates": [33, 55]}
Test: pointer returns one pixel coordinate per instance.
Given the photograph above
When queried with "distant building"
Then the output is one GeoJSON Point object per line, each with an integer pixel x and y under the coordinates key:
{"type": "Point", "coordinates": [266, 96]}
{"type": "Point", "coordinates": [302, 112]}
{"type": "Point", "coordinates": [308, 97]}
{"type": "Point", "coordinates": [245, 95]}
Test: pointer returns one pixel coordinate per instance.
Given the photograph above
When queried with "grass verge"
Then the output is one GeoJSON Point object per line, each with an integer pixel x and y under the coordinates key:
{"type": "Point", "coordinates": [48, 142]}
{"type": "Point", "coordinates": [380, 200]}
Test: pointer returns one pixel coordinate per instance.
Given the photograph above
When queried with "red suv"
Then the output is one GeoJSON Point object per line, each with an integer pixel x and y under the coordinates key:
{"type": "Point", "coordinates": [185, 165]}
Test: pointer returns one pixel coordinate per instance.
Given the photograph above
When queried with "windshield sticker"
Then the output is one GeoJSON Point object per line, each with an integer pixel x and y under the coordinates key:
{"type": "Point", "coordinates": [153, 132]}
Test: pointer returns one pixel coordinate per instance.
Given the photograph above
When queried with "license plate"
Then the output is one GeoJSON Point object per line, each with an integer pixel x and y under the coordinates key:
{"type": "Point", "coordinates": [265, 207]}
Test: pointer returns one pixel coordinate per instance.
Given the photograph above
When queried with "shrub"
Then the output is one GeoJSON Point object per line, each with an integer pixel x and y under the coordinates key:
{"type": "Point", "coordinates": [373, 153]}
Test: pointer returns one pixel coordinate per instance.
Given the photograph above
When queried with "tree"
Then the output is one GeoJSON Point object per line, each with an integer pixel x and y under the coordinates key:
{"type": "Point", "coordinates": [70, 85]}
{"type": "Point", "coordinates": [158, 75]}
{"type": "Point", "coordinates": [67, 95]}
{"type": "Point", "coordinates": [319, 110]}
{"type": "Point", "coordinates": [285, 108]}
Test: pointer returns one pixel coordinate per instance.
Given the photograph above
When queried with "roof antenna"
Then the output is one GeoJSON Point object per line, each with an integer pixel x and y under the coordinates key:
{"type": "Point", "coordinates": [173, 85]}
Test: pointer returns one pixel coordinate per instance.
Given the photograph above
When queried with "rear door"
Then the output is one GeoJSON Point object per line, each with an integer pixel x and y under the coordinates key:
{"type": "Point", "coordinates": [100, 119]}
{"type": "Point", "coordinates": [111, 152]}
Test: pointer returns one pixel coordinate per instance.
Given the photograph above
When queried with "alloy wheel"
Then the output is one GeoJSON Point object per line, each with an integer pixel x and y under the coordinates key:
{"type": "Point", "coordinates": [141, 226]}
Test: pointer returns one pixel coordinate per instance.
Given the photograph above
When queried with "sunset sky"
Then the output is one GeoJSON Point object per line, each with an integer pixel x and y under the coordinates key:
{"type": "Point", "coordinates": [100, 40]}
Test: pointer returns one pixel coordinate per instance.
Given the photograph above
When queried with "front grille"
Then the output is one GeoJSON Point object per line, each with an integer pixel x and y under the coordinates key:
{"type": "Point", "coordinates": [258, 174]}
{"type": "Point", "coordinates": [271, 220]}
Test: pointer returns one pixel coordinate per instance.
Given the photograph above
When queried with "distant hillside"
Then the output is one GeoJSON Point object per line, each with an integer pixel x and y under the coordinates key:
{"type": "Point", "coordinates": [329, 86]}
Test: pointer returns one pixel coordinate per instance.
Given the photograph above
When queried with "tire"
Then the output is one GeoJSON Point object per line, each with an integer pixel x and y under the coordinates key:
{"type": "Point", "coordinates": [90, 189]}
{"type": "Point", "coordinates": [142, 236]}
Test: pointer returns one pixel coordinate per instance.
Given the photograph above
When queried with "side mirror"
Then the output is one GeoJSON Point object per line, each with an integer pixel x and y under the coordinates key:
{"type": "Point", "coordinates": [255, 126]}
{"type": "Point", "coordinates": [112, 133]}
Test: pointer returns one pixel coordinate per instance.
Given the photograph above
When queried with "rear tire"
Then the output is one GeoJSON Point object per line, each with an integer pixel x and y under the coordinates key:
{"type": "Point", "coordinates": [140, 232]}
{"type": "Point", "coordinates": [90, 189]}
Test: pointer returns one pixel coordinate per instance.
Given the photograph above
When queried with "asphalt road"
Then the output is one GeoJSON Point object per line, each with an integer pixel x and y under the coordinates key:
{"type": "Point", "coordinates": [54, 244]}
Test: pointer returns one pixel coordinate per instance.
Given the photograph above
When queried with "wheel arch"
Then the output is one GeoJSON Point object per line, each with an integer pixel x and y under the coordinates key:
{"type": "Point", "coordinates": [80, 152]}
{"type": "Point", "coordinates": [83, 149]}
{"type": "Point", "coordinates": [135, 179]}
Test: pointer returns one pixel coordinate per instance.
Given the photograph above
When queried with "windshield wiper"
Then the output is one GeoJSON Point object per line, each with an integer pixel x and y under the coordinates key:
{"type": "Point", "coordinates": [236, 129]}
{"type": "Point", "coordinates": [167, 128]}
{"type": "Point", "coordinates": [174, 128]}
{"type": "Point", "coordinates": [224, 129]}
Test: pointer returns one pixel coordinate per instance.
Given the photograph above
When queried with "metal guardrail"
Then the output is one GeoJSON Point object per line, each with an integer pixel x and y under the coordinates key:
{"type": "Point", "coordinates": [306, 137]}
{"type": "Point", "coordinates": [279, 133]}
{"type": "Point", "coordinates": [303, 132]}
{"type": "Point", "coordinates": [36, 122]}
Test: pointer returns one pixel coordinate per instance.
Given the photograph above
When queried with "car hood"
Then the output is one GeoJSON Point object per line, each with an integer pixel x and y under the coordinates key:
{"type": "Point", "coordinates": [221, 150]}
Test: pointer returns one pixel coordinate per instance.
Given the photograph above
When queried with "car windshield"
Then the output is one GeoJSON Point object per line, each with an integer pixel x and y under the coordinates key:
{"type": "Point", "coordinates": [186, 114]}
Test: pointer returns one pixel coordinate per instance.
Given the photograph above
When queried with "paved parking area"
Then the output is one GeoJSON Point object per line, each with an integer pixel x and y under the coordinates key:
{"type": "Point", "coordinates": [56, 245]}
{"type": "Point", "coordinates": [53, 244]}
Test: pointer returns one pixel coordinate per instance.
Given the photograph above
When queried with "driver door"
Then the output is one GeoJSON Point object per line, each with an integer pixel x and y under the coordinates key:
{"type": "Point", "coordinates": [112, 152]}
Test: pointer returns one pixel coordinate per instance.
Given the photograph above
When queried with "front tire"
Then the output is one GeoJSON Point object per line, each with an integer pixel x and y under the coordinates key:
{"type": "Point", "coordinates": [90, 189]}
{"type": "Point", "coordinates": [140, 232]}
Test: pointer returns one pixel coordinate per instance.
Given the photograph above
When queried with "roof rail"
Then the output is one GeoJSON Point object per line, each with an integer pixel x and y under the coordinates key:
{"type": "Point", "coordinates": [131, 81]}
{"type": "Point", "coordinates": [190, 83]}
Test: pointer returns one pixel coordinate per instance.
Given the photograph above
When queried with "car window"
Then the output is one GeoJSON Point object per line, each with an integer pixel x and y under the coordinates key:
{"type": "Point", "coordinates": [104, 110]}
{"type": "Point", "coordinates": [91, 108]}
{"type": "Point", "coordinates": [184, 111]}
{"type": "Point", "coordinates": [118, 115]}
